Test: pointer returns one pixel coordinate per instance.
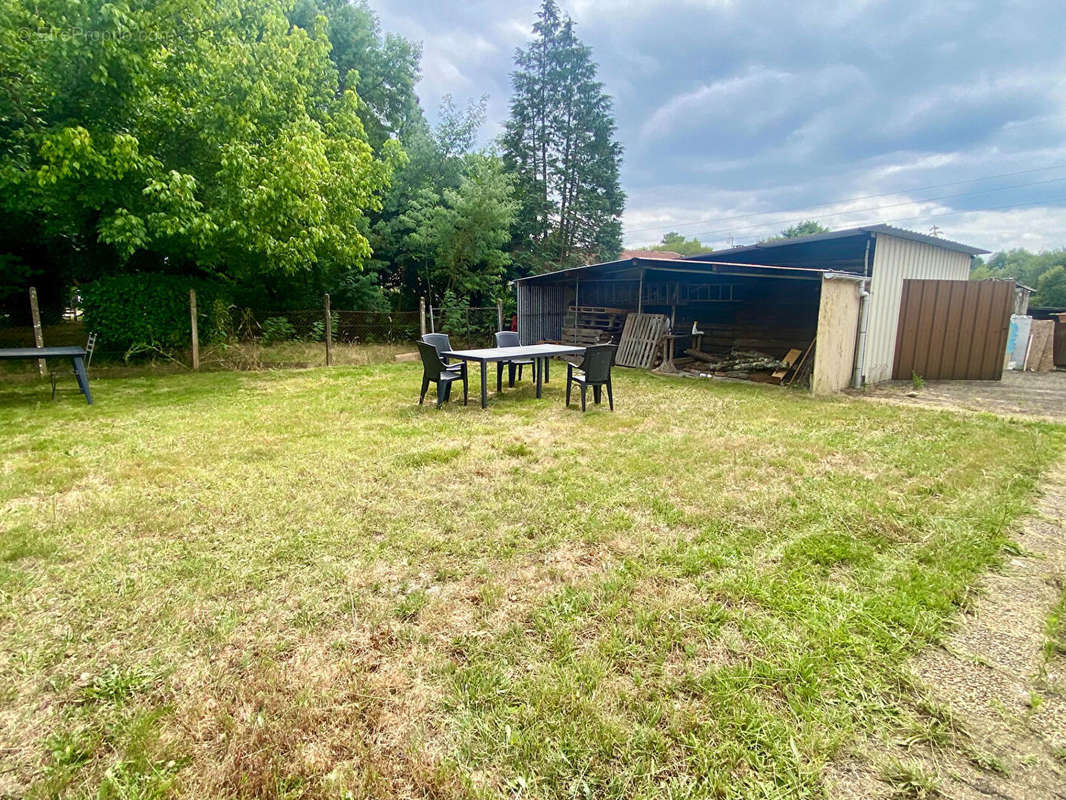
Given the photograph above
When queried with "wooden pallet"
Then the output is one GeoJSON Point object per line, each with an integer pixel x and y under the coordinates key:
{"type": "Point", "coordinates": [585, 336]}
{"type": "Point", "coordinates": [640, 339]}
{"type": "Point", "coordinates": [585, 325]}
{"type": "Point", "coordinates": [599, 310]}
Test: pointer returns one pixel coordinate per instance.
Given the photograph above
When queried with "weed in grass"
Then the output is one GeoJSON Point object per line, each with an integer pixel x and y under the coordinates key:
{"type": "Point", "coordinates": [116, 684]}
{"type": "Point", "coordinates": [411, 604]}
{"type": "Point", "coordinates": [71, 748]}
{"type": "Point", "coordinates": [1055, 630]}
{"type": "Point", "coordinates": [434, 455]}
{"type": "Point", "coordinates": [988, 761]}
{"type": "Point", "coordinates": [519, 450]}
{"type": "Point", "coordinates": [911, 779]}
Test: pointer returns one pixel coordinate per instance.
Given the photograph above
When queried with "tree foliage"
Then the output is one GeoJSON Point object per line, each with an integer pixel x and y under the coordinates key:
{"type": "Point", "coordinates": [382, 69]}
{"type": "Point", "coordinates": [560, 144]}
{"type": "Point", "coordinates": [1035, 270]}
{"type": "Point", "coordinates": [1051, 288]}
{"type": "Point", "coordinates": [404, 232]}
{"type": "Point", "coordinates": [148, 311]}
{"type": "Point", "coordinates": [185, 137]}
{"type": "Point", "coordinates": [465, 232]}
{"type": "Point", "coordinates": [674, 242]}
{"type": "Point", "coordinates": [806, 228]}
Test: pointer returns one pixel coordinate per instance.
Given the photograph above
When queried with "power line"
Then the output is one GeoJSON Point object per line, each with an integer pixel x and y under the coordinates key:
{"type": "Point", "coordinates": [807, 209]}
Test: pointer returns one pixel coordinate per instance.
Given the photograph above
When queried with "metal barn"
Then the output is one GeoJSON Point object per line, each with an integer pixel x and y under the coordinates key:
{"type": "Point", "coordinates": [843, 289]}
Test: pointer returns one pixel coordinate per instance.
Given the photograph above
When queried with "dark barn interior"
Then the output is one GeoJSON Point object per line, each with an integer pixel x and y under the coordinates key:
{"type": "Point", "coordinates": [765, 309]}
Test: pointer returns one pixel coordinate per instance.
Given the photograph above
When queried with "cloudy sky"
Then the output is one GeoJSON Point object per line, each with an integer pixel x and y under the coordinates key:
{"type": "Point", "coordinates": [741, 117]}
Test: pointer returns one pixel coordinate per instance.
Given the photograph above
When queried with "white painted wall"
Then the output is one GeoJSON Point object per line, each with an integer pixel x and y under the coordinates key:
{"type": "Point", "coordinates": [894, 260]}
{"type": "Point", "coordinates": [838, 319]}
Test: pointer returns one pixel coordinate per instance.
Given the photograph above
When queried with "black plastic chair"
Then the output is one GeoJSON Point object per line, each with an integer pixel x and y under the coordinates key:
{"type": "Point", "coordinates": [433, 371]}
{"type": "Point", "coordinates": [442, 344]}
{"type": "Point", "coordinates": [510, 339]}
{"type": "Point", "coordinates": [595, 371]}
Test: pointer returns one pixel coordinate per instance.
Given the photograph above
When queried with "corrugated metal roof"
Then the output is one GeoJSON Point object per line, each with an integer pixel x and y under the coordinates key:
{"type": "Point", "coordinates": [889, 230]}
{"type": "Point", "coordinates": [669, 265]}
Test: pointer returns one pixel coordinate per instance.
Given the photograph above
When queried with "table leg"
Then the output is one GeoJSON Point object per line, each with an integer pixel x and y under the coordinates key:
{"type": "Point", "coordinates": [547, 372]}
{"type": "Point", "coordinates": [542, 364]}
{"type": "Point", "coordinates": [499, 377]}
{"type": "Point", "coordinates": [83, 378]}
{"type": "Point", "coordinates": [484, 391]}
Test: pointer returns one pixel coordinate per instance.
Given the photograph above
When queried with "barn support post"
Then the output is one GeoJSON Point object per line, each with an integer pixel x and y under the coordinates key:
{"type": "Point", "coordinates": [640, 294]}
{"type": "Point", "coordinates": [577, 306]}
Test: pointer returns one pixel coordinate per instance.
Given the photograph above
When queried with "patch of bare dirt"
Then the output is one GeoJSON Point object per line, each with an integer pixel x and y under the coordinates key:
{"type": "Point", "coordinates": [1006, 701]}
{"type": "Point", "coordinates": [1040, 395]}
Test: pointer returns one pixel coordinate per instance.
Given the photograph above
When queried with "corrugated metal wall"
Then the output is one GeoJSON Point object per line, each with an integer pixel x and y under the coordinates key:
{"type": "Point", "coordinates": [953, 330]}
{"type": "Point", "coordinates": [894, 260]}
{"type": "Point", "coordinates": [541, 311]}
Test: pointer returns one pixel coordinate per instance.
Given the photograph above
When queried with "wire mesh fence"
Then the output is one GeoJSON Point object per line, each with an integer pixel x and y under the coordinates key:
{"type": "Point", "coordinates": [466, 326]}
{"type": "Point", "coordinates": [246, 338]}
{"type": "Point", "coordinates": [350, 327]}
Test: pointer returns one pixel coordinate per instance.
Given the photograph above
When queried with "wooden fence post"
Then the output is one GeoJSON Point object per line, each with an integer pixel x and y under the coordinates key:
{"type": "Point", "coordinates": [38, 334]}
{"type": "Point", "coordinates": [195, 331]}
{"type": "Point", "coordinates": [329, 334]}
{"type": "Point", "coordinates": [499, 315]}
{"type": "Point", "coordinates": [422, 316]}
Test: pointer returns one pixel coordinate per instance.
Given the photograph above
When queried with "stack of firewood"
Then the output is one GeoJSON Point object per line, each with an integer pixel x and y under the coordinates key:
{"type": "Point", "coordinates": [751, 365]}
{"type": "Point", "coordinates": [738, 363]}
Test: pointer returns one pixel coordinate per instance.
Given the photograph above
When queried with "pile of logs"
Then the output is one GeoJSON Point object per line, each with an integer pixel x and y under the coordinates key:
{"type": "Point", "coordinates": [750, 365]}
{"type": "Point", "coordinates": [736, 361]}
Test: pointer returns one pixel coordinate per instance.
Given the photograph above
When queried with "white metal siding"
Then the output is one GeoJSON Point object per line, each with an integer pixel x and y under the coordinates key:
{"type": "Point", "coordinates": [894, 260]}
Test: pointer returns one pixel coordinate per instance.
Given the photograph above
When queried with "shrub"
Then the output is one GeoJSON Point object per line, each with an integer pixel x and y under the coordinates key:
{"type": "Point", "coordinates": [278, 329]}
{"type": "Point", "coordinates": [149, 311]}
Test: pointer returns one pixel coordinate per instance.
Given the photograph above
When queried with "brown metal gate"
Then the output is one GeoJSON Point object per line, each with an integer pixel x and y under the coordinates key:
{"type": "Point", "coordinates": [953, 330]}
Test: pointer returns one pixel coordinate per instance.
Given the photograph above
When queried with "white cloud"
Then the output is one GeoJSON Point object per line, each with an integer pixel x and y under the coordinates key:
{"type": "Point", "coordinates": [728, 109]}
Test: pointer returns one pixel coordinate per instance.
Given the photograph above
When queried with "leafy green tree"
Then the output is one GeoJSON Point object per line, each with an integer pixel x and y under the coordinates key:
{"type": "Point", "coordinates": [193, 137]}
{"type": "Point", "coordinates": [560, 145]}
{"type": "Point", "coordinates": [381, 69]}
{"type": "Point", "coordinates": [436, 162]}
{"type": "Point", "coordinates": [464, 235]}
{"type": "Point", "coordinates": [1051, 289]}
{"type": "Point", "coordinates": [1020, 264]}
{"type": "Point", "coordinates": [674, 242]}
{"type": "Point", "coordinates": [806, 228]}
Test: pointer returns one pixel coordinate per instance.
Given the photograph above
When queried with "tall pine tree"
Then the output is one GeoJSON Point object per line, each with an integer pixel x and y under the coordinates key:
{"type": "Point", "coordinates": [559, 144]}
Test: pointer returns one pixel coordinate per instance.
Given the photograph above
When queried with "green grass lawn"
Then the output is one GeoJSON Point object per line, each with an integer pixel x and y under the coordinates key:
{"type": "Point", "coordinates": [301, 584]}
